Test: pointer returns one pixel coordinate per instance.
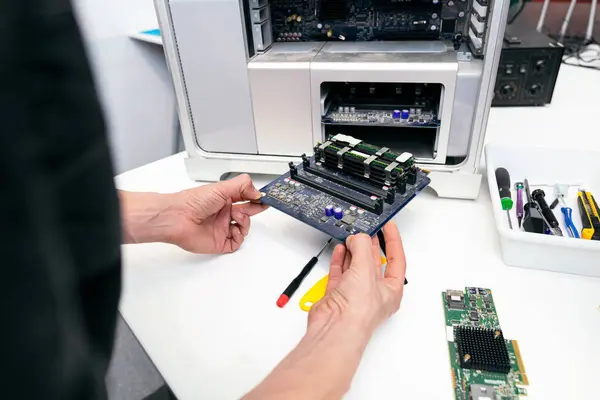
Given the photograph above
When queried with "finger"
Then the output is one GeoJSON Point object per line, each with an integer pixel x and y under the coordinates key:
{"type": "Point", "coordinates": [360, 246]}
{"type": "Point", "coordinates": [376, 251]}
{"type": "Point", "coordinates": [347, 261]}
{"type": "Point", "coordinates": [222, 222]}
{"type": "Point", "coordinates": [335, 267]}
{"type": "Point", "coordinates": [239, 188]}
{"type": "Point", "coordinates": [236, 238]}
{"type": "Point", "coordinates": [243, 222]}
{"type": "Point", "coordinates": [396, 259]}
{"type": "Point", "coordinates": [250, 209]}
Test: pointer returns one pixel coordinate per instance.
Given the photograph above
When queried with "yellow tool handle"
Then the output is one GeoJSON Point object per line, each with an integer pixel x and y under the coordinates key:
{"type": "Point", "coordinates": [317, 292]}
{"type": "Point", "coordinates": [314, 294]}
{"type": "Point", "coordinates": [590, 219]}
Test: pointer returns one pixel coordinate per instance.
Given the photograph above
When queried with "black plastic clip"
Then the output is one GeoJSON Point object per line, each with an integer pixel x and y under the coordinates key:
{"type": "Point", "coordinates": [305, 160]}
{"type": "Point", "coordinates": [293, 169]}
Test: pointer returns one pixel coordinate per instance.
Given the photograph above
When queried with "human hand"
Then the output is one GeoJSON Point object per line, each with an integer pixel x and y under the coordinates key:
{"type": "Point", "coordinates": [356, 291]}
{"type": "Point", "coordinates": [210, 222]}
{"type": "Point", "coordinates": [358, 299]}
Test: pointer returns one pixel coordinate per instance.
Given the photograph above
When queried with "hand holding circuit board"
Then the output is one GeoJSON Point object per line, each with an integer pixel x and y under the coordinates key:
{"type": "Point", "coordinates": [371, 297]}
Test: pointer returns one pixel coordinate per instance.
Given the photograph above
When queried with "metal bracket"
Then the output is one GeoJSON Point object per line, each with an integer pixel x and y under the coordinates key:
{"type": "Point", "coordinates": [464, 56]}
{"type": "Point", "coordinates": [340, 156]}
{"type": "Point", "coordinates": [381, 151]}
{"type": "Point", "coordinates": [388, 173]}
{"type": "Point", "coordinates": [322, 150]}
{"type": "Point", "coordinates": [367, 163]}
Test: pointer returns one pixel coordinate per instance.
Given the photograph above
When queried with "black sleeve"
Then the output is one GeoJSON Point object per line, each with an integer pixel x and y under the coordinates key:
{"type": "Point", "coordinates": [59, 247]}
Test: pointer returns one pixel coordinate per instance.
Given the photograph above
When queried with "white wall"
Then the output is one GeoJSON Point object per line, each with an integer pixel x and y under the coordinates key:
{"type": "Point", "coordinates": [132, 78]}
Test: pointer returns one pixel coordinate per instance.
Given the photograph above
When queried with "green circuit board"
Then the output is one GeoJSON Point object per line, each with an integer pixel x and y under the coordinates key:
{"type": "Point", "coordinates": [484, 365]}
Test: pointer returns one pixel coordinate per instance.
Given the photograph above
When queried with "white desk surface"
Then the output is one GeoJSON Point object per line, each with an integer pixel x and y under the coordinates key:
{"type": "Point", "coordinates": [211, 326]}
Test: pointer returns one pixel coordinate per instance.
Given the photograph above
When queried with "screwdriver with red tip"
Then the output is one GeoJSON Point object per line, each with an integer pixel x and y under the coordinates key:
{"type": "Point", "coordinates": [295, 284]}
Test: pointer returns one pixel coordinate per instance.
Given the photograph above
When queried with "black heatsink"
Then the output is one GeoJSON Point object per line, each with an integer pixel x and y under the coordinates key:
{"type": "Point", "coordinates": [481, 348]}
{"type": "Point", "coordinates": [334, 10]}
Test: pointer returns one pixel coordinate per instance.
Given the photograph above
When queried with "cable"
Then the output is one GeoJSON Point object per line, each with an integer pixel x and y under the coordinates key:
{"type": "Point", "coordinates": [565, 25]}
{"type": "Point", "coordinates": [519, 11]}
{"type": "Point", "coordinates": [542, 19]}
{"type": "Point", "coordinates": [575, 49]}
{"type": "Point", "coordinates": [591, 22]}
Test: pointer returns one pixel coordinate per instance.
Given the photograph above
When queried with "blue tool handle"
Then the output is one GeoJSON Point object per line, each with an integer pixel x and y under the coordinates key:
{"type": "Point", "coordinates": [568, 212]}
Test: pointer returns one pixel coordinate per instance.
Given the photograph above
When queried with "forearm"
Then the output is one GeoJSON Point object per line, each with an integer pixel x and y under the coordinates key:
{"type": "Point", "coordinates": [149, 217]}
{"type": "Point", "coordinates": [320, 367]}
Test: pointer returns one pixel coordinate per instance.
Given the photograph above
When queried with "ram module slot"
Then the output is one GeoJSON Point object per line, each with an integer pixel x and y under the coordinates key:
{"type": "Point", "coordinates": [375, 178]}
{"type": "Point", "coordinates": [370, 150]}
{"type": "Point", "coordinates": [365, 188]}
{"type": "Point", "coordinates": [376, 166]}
{"type": "Point", "coordinates": [352, 157]}
{"type": "Point", "coordinates": [375, 206]}
{"type": "Point", "coordinates": [375, 173]}
{"type": "Point", "coordinates": [389, 156]}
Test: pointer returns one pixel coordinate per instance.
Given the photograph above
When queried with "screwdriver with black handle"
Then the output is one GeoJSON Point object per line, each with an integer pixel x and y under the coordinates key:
{"type": "Point", "coordinates": [295, 284]}
{"type": "Point", "coordinates": [538, 196]}
{"type": "Point", "coordinates": [503, 181]}
{"type": "Point", "coordinates": [381, 239]}
{"type": "Point", "coordinates": [533, 220]}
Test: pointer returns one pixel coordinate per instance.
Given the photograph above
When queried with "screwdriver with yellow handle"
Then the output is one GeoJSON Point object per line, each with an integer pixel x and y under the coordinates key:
{"type": "Point", "coordinates": [590, 215]}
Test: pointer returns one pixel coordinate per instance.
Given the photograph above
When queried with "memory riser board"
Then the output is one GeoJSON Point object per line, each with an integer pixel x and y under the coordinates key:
{"type": "Point", "coordinates": [341, 191]}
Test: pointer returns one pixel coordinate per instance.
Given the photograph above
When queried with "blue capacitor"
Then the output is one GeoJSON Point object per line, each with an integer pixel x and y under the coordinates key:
{"type": "Point", "coordinates": [329, 211]}
{"type": "Point", "coordinates": [405, 114]}
{"type": "Point", "coordinates": [396, 114]}
{"type": "Point", "coordinates": [338, 213]}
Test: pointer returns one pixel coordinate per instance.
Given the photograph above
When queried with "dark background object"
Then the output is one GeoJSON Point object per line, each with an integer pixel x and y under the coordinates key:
{"type": "Point", "coordinates": [528, 68]}
{"type": "Point", "coordinates": [539, 196]}
{"type": "Point", "coordinates": [533, 221]}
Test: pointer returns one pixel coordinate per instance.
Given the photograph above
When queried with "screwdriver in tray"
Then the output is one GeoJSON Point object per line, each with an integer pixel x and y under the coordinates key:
{"type": "Point", "coordinates": [590, 217]}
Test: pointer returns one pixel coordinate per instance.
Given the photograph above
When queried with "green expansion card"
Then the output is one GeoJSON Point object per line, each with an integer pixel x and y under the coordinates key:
{"type": "Point", "coordinates": [485, 366]}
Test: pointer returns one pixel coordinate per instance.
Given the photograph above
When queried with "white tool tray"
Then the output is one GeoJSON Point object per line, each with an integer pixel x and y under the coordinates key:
{"type": "Point", "coordinates": [543, 167]}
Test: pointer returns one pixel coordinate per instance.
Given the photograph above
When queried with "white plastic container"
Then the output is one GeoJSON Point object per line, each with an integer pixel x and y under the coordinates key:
{"type": "Point", "coordinates": [543, 167]}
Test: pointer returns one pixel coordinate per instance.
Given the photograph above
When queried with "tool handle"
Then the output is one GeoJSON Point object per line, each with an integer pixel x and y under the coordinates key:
{"type": "Point", "coordinates": [568, 213]}
{"type": "Point", "coordinates": [533, 221]}
{"type": "Point", "coordinates": [503, 181]}
{"type": "Point", "coordinates": [550, 217]}
{"type": "Point", "coordinates": [307, 268]}
{"type": "Point", "coordinates": [539, 197]}
{"type": "Point", "coordinates": [381, 239]}
{"type": "Point", "coordinates": [586, 220]}
{"type": "Point", "coordinates": [596, 219]}
{"type": "Point", "coordinates": [587, 216]}
{"type": "Point", "coordinates": [595, 206]}
{"type": "Point", "coordinates": [295, 283]}
{"type": "Point", "coordinates": [519, 202]}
